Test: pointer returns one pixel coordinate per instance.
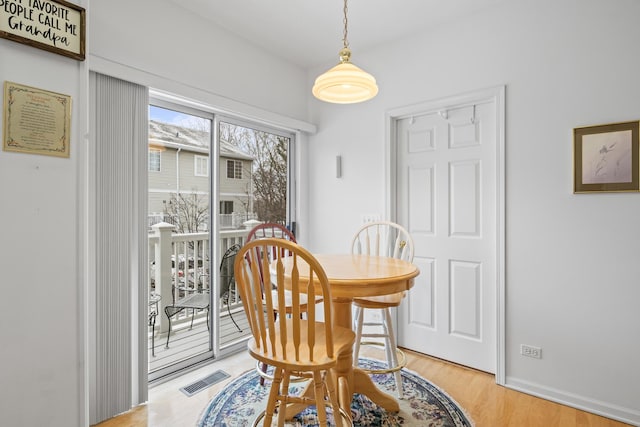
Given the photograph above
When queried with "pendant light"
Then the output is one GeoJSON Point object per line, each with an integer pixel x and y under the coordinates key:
{"type": "Point", "coordinates": [345, 83]}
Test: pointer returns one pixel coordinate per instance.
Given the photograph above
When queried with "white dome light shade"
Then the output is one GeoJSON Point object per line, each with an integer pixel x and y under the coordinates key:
{"type": "Point", "coordinates": [345, 84]}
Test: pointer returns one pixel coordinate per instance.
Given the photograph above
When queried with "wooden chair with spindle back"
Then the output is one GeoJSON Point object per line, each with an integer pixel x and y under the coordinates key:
{"type": "Point", "coordinates": [278, 231]}
{"type": "Point", "coordinates": [293, 345]}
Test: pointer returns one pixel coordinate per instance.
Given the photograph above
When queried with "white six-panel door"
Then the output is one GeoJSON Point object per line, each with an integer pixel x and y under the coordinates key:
{"type": "Point", "coordinates": [446, 197]}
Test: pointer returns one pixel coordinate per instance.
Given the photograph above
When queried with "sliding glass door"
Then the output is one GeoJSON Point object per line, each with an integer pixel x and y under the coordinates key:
{"type": "Point", "coordinates": [211, 179]}
{"type": "Point", "coordinates": [179, 194]}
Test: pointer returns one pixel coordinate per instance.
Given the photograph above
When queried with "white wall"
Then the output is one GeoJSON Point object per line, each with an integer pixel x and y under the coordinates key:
{"type": "Point", "coordinates": [571, 259]}
{"type": "Point", "coordinates": [41, 357]}
{"type": "Point", "coordinates": [42, 256]}
{"type": "Point", "coordinates": [183, 53]}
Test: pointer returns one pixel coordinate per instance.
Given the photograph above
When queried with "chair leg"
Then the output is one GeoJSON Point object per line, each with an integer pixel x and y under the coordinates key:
{"type": "Point", "coordinates": [284, 392]}
{"type": "Point", "coordinates": [263, 368]}
{"type": "Point", "coordinates": [231, 316]}
{"type": "Point", "coordinates": [391, 348]}
{"type": "Point", "coordinates": [153, 336]}
{"type": "Point", "coordinates": [319, 394]}
{"type": "Point", "coordinates": [333, 398]}
{"type": "Point", "coordinates": [359, 315]}
{"type": "Point", "coordinates": [386, 327]}
{"type": "Point", "coordinates": [273, 397]}
{"type": "Point", "coordinates": [169, 332]}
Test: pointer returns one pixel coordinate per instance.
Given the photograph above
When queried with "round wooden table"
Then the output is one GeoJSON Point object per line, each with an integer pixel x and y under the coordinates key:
{"type": "Point", "coordinates": [353, 276]}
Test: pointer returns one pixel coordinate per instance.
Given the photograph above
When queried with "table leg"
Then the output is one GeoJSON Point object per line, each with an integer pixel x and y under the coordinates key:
{"type": "Point", "coordinates": [363, 384]}
{"type": "Point", "coordinates": [349, 380]}
{"type": "Point", "coordinates": [354, 380]}
{"type": "Point", "coordinates": [345, 391]}
{"type": "Point", "coordinates": [343, 373]}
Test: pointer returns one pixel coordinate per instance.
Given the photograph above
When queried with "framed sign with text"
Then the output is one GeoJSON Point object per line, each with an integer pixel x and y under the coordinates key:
{"type": "Point", "coordinates": [54, 25]}
{"type": "Point", "coordinates": [36, 121]}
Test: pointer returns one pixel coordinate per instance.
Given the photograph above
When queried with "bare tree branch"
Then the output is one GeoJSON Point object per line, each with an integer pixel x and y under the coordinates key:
{"type": "Point", "coordinates": [269, 168]}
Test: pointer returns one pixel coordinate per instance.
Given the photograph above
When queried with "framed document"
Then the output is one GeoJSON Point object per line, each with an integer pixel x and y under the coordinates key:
{"type": "Point", "coordinates": [36, 121]}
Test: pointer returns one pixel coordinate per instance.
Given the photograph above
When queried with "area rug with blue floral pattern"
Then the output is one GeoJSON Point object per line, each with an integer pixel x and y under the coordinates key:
{"type": "Point", "coordinates": [423, 404]}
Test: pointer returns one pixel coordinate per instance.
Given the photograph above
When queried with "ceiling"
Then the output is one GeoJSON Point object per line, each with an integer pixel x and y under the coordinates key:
{"type": "Point", "coordinates": [309, 32]}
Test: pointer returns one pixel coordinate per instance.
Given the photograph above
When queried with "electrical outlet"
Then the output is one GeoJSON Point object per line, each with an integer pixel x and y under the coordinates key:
{"type": "Point", "coordinates": [531, 351]}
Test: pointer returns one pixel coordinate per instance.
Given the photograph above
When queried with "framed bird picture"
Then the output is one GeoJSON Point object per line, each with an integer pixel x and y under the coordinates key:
{"type": "Point", "coordinates": [605, 158]}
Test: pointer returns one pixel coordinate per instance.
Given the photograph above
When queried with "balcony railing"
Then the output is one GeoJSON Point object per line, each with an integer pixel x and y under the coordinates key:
{"type": "Point", "coordinates": [235, 220]}
{"type": "Point", "coordinates": [180, 264]}
{"type": "Point", "coordinates": [227, 221]}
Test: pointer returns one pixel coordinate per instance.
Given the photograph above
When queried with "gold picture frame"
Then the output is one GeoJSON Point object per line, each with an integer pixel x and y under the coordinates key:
{"type": "Point", "coordinates": [35, 121]}
{"type": "Point", "coordinates": [606, 158]}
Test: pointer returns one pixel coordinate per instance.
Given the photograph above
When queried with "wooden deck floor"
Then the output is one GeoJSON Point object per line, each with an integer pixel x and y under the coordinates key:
{"type": "Point", "coordinates": [185, 342]}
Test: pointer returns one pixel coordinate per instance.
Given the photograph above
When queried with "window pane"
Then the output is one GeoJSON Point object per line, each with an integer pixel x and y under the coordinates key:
{"type": "Point", "coordinates": [234, 169]}
{"type": "Point", "coordinates": [226, 207]}
{"type": "Point", "coordinates": [154, 160]}
{"type": "Point", "coordinates": [201, 166]}
{"type": "Point", "coordinates": [258, 164]}
{"type": "Point", "coordinates": [179, 194]}
{"type": "Point", "coordinates": [230, 169]}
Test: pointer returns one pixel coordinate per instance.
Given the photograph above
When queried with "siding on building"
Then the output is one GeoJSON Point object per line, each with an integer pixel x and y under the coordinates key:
{"type": "Point", "coordinates": [178, 149]}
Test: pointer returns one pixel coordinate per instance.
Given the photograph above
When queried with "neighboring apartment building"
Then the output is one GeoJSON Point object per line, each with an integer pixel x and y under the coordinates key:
{"type": "Point", "coordinates": [179, 164]}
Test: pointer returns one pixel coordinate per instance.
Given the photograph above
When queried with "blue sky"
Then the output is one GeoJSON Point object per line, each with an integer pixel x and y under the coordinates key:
{"type": "Point", "coordinates": [163, 115]}
{"type": "Point", "coordinates": [177, 118]}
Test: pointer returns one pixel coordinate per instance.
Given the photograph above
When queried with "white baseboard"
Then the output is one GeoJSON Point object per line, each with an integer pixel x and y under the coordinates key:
{"type": "Point", "coordinates": [605, 409]}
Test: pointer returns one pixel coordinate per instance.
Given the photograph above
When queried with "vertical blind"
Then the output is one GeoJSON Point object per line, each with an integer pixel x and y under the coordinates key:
{"type": "Point", "coordinates": [119, 124]}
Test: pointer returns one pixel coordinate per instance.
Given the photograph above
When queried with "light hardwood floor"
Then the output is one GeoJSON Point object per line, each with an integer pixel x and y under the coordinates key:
{"type": "Point", "coordinates": [486, 403]}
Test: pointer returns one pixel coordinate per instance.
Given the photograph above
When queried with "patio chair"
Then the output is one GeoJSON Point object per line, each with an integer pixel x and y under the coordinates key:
{"type": "Point", "coordinates": [153, 313]}
{"type": "Point", "coordinates": [200, 300]}
{"type": "Point", "coordinates": [227, 278]}
{"type": "Point", "coordinates": [381, 238]}
{"type": "Point", "coordinates": [292, 345]}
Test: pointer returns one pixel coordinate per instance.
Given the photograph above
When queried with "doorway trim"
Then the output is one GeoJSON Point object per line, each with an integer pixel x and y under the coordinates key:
{"type": "Point", "coordinates": [496, 95]}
